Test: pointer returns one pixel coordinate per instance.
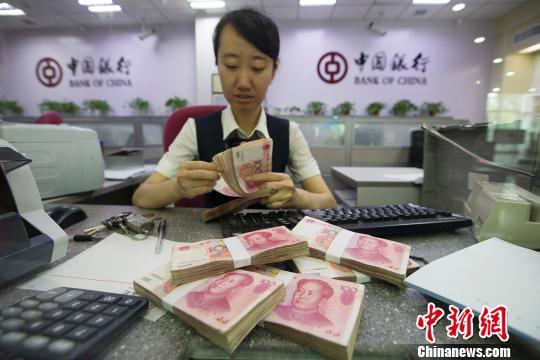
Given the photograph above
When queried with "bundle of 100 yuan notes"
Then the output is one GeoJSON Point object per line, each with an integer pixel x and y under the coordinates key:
{"type": "Point", "coordinates": [190, 262]}
{"type": "Point", "coordinates": [320, 313]}
{"type": "Point", "coordinates": [222, 308]}
{"type": "Point", "coordinates": [375, 257]}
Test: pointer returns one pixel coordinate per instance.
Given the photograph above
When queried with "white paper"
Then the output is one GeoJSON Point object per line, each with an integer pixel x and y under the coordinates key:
{"type": "Point", "coordinates": [110, 265]}
{"type": "Point", "coordinates": [338, 245]}
{"type": "Point", "coordinates": [492, 272]}
{"type": "Point", "coordinates": [129, 173]}
{"type": "Point", "coordinates": [238, 252]}
{"type": "Point", "coordinates": [417, 177]}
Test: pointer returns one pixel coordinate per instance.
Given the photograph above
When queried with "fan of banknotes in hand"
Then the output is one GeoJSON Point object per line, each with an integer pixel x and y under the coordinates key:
{"type": "Point", "coordinates": [253, 157]}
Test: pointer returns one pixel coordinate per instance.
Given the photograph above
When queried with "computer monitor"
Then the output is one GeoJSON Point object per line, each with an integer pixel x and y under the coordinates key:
{"type": "Point", "coordinates": [482, 152]}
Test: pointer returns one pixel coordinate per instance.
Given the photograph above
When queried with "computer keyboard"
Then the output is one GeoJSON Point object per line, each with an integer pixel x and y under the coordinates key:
{"type": "Point", "coordinates": [374, 220]}
{"type": "Point", "coordinates": [65, 323]}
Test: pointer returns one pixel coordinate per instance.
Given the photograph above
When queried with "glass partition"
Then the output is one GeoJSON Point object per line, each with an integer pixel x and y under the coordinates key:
{"type": "Point", "coordinates": [152, 134]}
{"type": "Point", "coordinates": [113, 135]}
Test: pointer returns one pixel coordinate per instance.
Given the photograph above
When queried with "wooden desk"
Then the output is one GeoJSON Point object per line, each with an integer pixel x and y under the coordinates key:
{"type": "Point", "coordinates": [387, 327]}
{"type": "Point", "coordinates": [358, 186]}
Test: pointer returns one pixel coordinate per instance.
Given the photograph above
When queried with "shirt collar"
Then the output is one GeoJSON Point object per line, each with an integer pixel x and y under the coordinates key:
{"type": "Point", "coordinates": [229, 124]}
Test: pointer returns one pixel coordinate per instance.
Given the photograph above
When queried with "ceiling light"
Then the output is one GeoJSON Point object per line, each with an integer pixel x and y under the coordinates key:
{"type": "Point", "coordinates": [8, 10]}
{"type": "Point", "coordinates": [532, 90]}
{"type": "Point", "coordinates": [478, 82]}
{"type": "Point", "coordinates": [317, 2]}
{"type": "Point", "coordinates": [104, 8]}
{"type": "Point", "coordinates": [496, 89]}
{"type": "Point", "coordinates": [497, 60]}
{"type": "Point", "coordinates": [12, 12]}
{"type": "Point", "coordinates": [458, 7]}
{"type": "Point", "coordinates": [479, 40]}
{"type": "Point", "coordinates": [430, 2]}
{"type": "Point", "coordinates": [207, 4]}
{"type": "Point", "coordinates": [94, 2]}
{"type": "Point", "coordinates": [530, 49]}
{"type": "Point", "coordinates": [510, 73]}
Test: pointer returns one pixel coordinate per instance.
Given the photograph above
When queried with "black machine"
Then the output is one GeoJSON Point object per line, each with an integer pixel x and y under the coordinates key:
{"type": "Point", "coordinates": [29, 238]}
{"type": "Point", "coordinates": [65, 323]}
{"type": "Point", "coordinates": [377, 220]}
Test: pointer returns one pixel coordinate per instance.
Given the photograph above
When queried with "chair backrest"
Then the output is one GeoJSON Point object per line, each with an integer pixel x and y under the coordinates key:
{"type": "Point", "coordinates": [51, 117]}
{"type": "Point", "coordinates": [174, 124]}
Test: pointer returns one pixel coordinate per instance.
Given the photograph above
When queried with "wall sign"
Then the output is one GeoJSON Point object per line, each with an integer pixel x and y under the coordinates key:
{"type": "Point", "coordinates": [379, 68]}
{"type": "Point", "coordinates": [86, 72]}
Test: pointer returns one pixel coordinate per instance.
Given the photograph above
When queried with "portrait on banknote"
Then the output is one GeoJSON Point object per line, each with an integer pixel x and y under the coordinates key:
{"type": "Point", "coordinates": [261, 240]}
{"type": "Point", "coordinates": [307, 300]}
{"type": "Point", "coordinates": [319, 306]}
{"type": "Point", "coordinates": [214, 297]}
{"type": "Point", "coordinates": [363, 247]}
{"type": "Point", "coordinates": [225, 299]}
{"type": "Point", "coordinates": [378, 252]}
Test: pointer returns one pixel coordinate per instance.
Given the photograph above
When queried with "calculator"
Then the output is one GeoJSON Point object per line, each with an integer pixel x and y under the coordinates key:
{"type": "Point", "coordinates": [65, 323]}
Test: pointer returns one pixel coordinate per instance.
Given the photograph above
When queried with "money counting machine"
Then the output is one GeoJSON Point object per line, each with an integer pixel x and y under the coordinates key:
{"type": "Point", "coordinates": [29, 238]}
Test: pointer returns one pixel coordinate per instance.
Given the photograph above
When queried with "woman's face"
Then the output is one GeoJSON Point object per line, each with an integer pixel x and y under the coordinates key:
{"type": "Point", "coordinates": [245, 72]}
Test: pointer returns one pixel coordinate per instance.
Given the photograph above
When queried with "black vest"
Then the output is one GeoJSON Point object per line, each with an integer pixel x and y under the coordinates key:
{"type": "Point", "coordinates": [210, 142]}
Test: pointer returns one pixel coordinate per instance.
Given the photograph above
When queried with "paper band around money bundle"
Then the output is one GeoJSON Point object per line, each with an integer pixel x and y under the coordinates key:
{"type": "Point", "coordinates": [285, 276]}
{"type": "Point", "coordinates": [360, 278]}
{"type": "Point", "coordinates": [238, 252]}
{"type": "Point", "coordinates": [338, 245]}
{"type": "Point", "coordinates": [170, 299]}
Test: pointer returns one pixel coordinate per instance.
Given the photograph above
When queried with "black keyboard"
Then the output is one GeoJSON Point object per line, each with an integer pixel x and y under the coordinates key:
{"type": "Point", "coordinates": [373, 220]}
{"type": "Point", "coordinates": [65, 323]}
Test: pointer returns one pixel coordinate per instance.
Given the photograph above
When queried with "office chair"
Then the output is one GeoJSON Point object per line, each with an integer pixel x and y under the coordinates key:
{"type": "Point", "coordinates": [51, 117]}
{"type": "Point", "coordinates": [174, 124]}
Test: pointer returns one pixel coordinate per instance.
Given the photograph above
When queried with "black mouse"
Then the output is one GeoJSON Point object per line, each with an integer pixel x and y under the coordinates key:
{"type": "Point", "coordinates": [66, 215]}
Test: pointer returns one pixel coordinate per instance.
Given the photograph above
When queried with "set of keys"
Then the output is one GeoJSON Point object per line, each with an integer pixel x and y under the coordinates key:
{"type": "Point", "coordinates": [140, 224]}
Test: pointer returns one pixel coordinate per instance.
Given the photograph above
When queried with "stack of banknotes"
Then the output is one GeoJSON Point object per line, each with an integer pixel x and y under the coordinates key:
{"type": "Point", "coordinates": [190, 262]}
{"type": "Point", "coordinates": [375, 257]}
{"type": "Point", "coordinates": [311, 266]}
{"type": "Point", "coordinates": [320, 313]}
{"type": "Point", "coordinates": [235, 164]}
{"type": "Point", "coordinates": [223, 308]}
{"type": "Point", "coordinates": [222, 289]}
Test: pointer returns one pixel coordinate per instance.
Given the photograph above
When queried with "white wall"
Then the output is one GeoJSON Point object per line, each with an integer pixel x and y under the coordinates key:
{"type": "Point", "coordinates": [206, 64]}
{"type": "Point", "coordinates": [161, 66]}
{"type": "Point", "coordinates": [455, 65]}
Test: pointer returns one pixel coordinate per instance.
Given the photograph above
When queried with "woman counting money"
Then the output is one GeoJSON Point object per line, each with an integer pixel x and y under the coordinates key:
{"type": "Point", "coordinates": [246, 48]}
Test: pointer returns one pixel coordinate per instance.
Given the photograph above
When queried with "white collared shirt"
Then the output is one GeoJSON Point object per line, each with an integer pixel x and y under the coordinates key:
{"type": "Point", "coordinates": [301, 163]}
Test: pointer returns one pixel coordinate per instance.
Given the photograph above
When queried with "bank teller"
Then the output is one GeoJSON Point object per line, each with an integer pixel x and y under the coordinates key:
{"type": "Point", "coordinates": [246, 48]}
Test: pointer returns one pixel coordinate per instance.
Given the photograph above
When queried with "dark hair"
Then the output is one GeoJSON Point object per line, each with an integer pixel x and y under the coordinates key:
{"type": "Point", "coordinates": [258, 29]}
{"type": "Point", "coordinates": [327, 290]}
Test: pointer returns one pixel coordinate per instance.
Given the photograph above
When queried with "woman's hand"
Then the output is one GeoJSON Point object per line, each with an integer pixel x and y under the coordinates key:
{"type": "Point", "coordinates": [281, 188]}
{"type": "Point", "coordinates": [196, 178]}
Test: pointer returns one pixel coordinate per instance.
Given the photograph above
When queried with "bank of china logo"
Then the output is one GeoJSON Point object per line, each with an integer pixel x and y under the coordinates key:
{"type": "Point", "coordinates": [332, 67]}
{"type": "Point", "coordinates": [49, 72]}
